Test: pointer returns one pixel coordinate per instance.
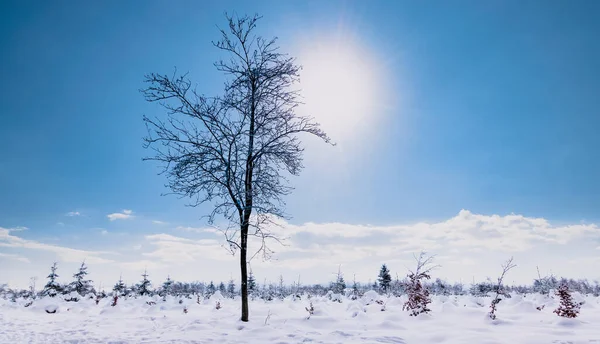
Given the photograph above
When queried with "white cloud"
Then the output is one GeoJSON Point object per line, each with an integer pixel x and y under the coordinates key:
{"type": "Point", "coordinates": [157, 222]}
{"type": "Point", "coordinates": [469, 246]}
{"type": "Point", "coordinates": [310, 245]}
{"type": "Point", "coordinates": [141, 265]}
{"type": "Point", "coordinates": [73, 213]}
{"type": "Point", "coordinates": [104, 232]}
{"type": "Point", "coordinates": [172, 249]}
{"type": "Point", "coordinates": [14, 257]}
{"type": "Point", "coordinates": [64, 253]}
{"type": "Point", "coordinates": [197, 229]}
{"type": "Point", "coordinates": [16, 229]}
{"type": "Point", "coordinates": [126, 214]}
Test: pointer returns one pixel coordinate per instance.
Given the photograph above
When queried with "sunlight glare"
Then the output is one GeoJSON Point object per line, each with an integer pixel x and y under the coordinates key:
{"type": "Point", "coordinates": [340, 85]}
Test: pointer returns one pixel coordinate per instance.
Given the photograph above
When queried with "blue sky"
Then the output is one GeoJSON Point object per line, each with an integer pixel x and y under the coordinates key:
{"type": "Point", "coordinates": [490, 107]}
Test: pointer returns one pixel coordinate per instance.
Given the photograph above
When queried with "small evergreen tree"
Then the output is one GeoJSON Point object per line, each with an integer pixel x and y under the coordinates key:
{"type": "Point", "coordinates": [210, 290]}
{"type": "Point", "coordinates": [567, 308]}
{"type": "Point", "coordinates": [251, 283]}
{"type": "Point", "coordinates": [231, 288]}
{"type": "Point", "coordinates": [281, 292]}
{"type": "Point", "coordinates": [384, 278]}
{"type": "Point", "coordinates": [339, 285]}
{"type": "Point", "coordinates": [81, 285]}
{"type": "Point", "coordinates": [120, 288]}
{"type": "Point", "coordinates": [166, 288]}
{"type": "Point", "coordinates": [222, 288]}
{"type": "Point", "coordinates": [143, 287]}
{"type": "Point", "coordinates": [354, 289]}
{"type": "Point", "coordinates": [52, 288]}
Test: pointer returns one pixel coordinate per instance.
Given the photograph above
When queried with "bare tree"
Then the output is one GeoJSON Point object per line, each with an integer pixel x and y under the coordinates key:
{"type": "Point", "coordinates": [233, 150]}
{"type": "Point", "coordinates": [499, 288]}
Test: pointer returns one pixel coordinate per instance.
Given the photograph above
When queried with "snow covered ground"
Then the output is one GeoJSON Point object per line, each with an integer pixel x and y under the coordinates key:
{"type": "Point", "coordinates": [453, 319]}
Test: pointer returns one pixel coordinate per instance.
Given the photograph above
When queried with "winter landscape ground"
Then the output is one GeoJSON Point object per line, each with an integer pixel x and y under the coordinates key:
{"type": "Point", "coordinates": [453, 319]}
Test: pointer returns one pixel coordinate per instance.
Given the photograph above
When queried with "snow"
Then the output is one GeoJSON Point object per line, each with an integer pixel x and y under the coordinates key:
{"type": "Point", "coordinates": [454, 319]}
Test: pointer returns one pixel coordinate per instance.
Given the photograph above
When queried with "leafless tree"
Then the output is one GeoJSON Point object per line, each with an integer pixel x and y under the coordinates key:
{"type": "Point", "coordinates": [499, 288]}
{"type": "Point", "coordinates": [234, 150]}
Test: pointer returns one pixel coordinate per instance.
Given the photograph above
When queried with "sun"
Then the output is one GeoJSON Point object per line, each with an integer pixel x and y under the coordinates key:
{"type": "Point", "coordinates": [341, 85]}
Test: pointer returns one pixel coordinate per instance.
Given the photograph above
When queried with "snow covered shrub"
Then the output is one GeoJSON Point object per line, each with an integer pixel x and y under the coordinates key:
{"type": "Point", "coordinates": [354, 294]}
{"type": "Point", "coordinates": [231, 289]}
{"type": "Point", "coordinates": [80, 285]}
{"type": "Point", "coordinates": [210, 290]}
{"type": "Point", "coordinates": [310, 310]}
{"type": "Point", "coordinates": [51, 309]}
{"type": "Point", "coordinates": [52, 288]}
{"type": "Point", "coordinates": [143, 288]}
{"type": "Point", "coordinates": [119, 288]}
{"type": "Point", "coordinates": [418, 295]}
{"type": "Point", "coordinates": [339, 285]}
{"type": "Point", "coordinates": [567, 308]}
{"type": "Point", "coordinates": [165, 290]}
{"type": "Point", "coordinates": [384, 278]}
{"type": "Point", "coordinates": [440, 287]}
{"type": "Point", "coordinates": [72, 297]}
{"type": "Point", "coordinates": [371, 296]}
{"type": "Point", "coordinates": [382, 304]}
{"type": "Point", "coordinates": [543, 285]}
{"type": "Point", "coordinates": [115, 298]}
{"type": "Point", "coordinates": [335, 297]}
{"type": "Point", "coordinates": [482, 289]}
{"type": "Point", "coordinates": [500, 289]}
{"type": "Point", "coordinates": [218, 305]}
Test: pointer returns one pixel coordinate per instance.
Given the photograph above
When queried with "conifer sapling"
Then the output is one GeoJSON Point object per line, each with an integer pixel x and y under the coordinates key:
{"type": "Point", "coordinates": [567, 308]}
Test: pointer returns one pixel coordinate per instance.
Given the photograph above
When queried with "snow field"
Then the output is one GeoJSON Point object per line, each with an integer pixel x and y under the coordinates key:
{"type": "Point", "coordinates": [454, 319]}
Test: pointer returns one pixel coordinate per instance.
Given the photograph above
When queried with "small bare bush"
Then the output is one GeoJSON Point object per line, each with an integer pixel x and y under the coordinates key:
{"type": "Point", "coordinates": [310, 310]}
{"type": "Point", "coordinates": [499, 288]}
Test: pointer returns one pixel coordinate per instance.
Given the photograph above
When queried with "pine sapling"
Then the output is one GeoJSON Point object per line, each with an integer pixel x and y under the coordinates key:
{"type": "Point", "coordinates": [567, 308]}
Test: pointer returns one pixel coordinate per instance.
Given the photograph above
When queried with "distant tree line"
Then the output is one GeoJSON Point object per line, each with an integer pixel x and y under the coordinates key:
{"type": "Point", "coordinates": [81, 287]}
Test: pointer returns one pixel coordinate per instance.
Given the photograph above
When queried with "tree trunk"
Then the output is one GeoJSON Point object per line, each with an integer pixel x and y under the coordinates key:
{"type": "Point", "coordinates": [244, 269]}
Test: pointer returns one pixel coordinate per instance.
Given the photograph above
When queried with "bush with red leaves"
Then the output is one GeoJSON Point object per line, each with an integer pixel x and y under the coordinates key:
{"type": "Point", "coordinates": [418, 295]}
